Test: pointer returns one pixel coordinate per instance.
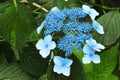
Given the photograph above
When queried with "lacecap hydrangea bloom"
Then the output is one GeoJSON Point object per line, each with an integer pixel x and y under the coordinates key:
{"type": "Point", "coordinates": [70, 29]}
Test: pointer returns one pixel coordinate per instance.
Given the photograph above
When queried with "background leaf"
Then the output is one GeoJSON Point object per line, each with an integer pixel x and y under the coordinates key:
{"type": "Point", "coordinates": [13, 72]}
{"type": "Point", "coordinates": [32, 62]}
{"type": "Point", "coordinates": [111, 24]}
{"type": "Point", "coordinates": [108, 62]}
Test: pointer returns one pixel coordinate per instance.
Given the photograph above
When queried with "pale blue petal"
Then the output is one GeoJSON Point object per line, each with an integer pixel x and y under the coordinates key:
{"type": "Point", "coordinates": [93, 13]}
{"type": "Point", "coordinates": [52, 45]}
{"type": "Point", "coordinates": [98, 27]}
{"type": "Point", "coordinates": [54, 9]}
{"type": "Point", "coordinates": [40, 44]}
{"type": "Point", "coordinates": [44, 52]}
{"type": "Point", "coordinates": [100, 46]}
{"type": "Point", "coordinates": [87, 49]}
{"type": "Point", "coordinates": [86, 59]}
{"type": "Point", "coordinates": [86, 9]}
{"type": "Point", "coordinates": [66, 71]}
{"type": "Point", "coordinates": [58, 60]}
{"type": "Point", "coordinates": [95, 58]}
{"type": "Point", "coordinates": [91, 42]}
{"type": "Point", "coordinates": [68, 62]}
{"type": "Point", "coordinates": [39, 29]}
{"type": "Point", "coordinates": [58, 69]}
{"type": "Point", "coordinates": [48, 39]}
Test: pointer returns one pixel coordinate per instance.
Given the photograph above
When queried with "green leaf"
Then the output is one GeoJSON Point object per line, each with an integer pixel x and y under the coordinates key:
{"type": "Point", "coordinates": [44, 77]}
{"type": "Point", "coordinates": [5, 49]}
{"type": "Point", "coordinates": [89, 76]}
{"type": "Point", "coordinates": [77, 72]}
{"type": "Point", "coordinates": [111, 24]}
{"type": "Point", "coordinates": [108, 62]}
{"type": "Point", "coordinates": [17, 24]}
{"type": "Point", "coordinates": [32, 62]}
{"type": "Point", "coordinates": [13, 72]}
{"type": "Point", "coordinates": [111, 77]}
{"type": "Point", "coordinates": [69, 4]}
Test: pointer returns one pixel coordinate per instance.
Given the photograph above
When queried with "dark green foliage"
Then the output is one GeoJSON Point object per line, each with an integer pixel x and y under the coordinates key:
{"type": "Point", "coordinates": [32, 62]}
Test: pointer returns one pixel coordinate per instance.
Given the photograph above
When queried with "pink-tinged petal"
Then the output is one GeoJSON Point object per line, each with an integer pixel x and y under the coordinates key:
{"type": "Point", "coordinates": [95, 58]}
{"type": "Point", "coordinates": [58, 69]}
{"type": "Point", "coordinates": [87, 49]}
{"type": "Point", "coordinates": [48, 39]}
{"type": "Point", "coordinates": [52, 45]}
{"type": "Point", "coordinates": [44, 52]}
{"type": "Point", "coordinates": [98, 27]}
{"type": "Point", "coordinates": [86, 59]}
{"type": "Point", "coordinates": [40, 44]}
{"type": "Point", "coordinates": [66, 71]}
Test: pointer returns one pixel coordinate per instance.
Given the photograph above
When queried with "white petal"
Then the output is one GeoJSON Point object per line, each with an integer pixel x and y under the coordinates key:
{"type": "Point", "coordinates": [57, 60]}
{"type": "Point", "coordinates": [52, 45]}
{"type": "Point", "coordinates": [66, 71]}
{"type": "Point", "coordinates": [86, 8]}
{"type": "Point", "coordinates": [68, 62]}
{"type": "Point", "coordinates": [39, 29]}
{"type": "Point", "coordinates": [40, 44]}
{"type": "Point", "coordinates": [87, 49]}
{"type": "Point", "coordinates": [58, 69]}
{"type": "Point", "coordinates": [95, 58]}
{"type": "Point", "coordinates": [54, 9]}
{"type": "Point", "coordinates": [48, 39]}
{"type": "Point", "coordinates": [98, 27]}
{"type": "Point", "coordinates": [44, 52]}
{"type": "Point", "coordinates": [91, 42]}
{"type": "Point", "coordinates": [86, 59]}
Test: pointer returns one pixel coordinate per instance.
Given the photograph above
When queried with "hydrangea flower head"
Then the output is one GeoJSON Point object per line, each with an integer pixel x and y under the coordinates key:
{"type": "Point", "coordinates": [92, 12]}
{"type": "Point", "coordinates": [45, 45]}
{"type": "Point", "coordinates": [62, 65]}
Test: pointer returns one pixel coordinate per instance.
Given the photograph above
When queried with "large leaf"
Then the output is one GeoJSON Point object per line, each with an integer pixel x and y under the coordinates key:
{"type": "Point", "coordinates": [111, 24]}
{"type": "Point", "coordinates": [32, 62]}
{"type": "Point", "coordinates": [108, 62]}
{"type": "Point", "coordinates": [7, 52]}
{"type": "Point", "coordinates": [13, 72]}
{"type": "Point", "coordinates": [77, 72]}
{"type": "Point", "coordinates": [111, 77]}
{"type": "Point", "coordinates": [17, 24]}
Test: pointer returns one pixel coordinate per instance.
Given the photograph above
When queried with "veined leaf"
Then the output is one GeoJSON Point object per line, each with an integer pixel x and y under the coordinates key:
{"type": "Point", "coordinates": [111, 24]}
{"type": "Point", "coordinates": [13, 72]}
{"type": "Point", "coordinates": [32, 62]}
{"type": "Point", "coordinates": [108, 62]}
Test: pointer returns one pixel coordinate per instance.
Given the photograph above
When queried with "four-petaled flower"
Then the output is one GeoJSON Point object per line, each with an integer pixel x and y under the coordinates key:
{"type": "Point", "coordinates": [89, 50]}
{"type": "Point", "coordinates": [90, 55]}
{"type": "Point", "coordinates": [62, 65]}
{"type": "Point", "coordinates": [45, 46]}
{"type": "Point", "coordinates": [92, 12]}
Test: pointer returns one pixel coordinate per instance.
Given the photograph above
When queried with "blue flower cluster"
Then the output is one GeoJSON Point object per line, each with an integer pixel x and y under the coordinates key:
{"type": "Point", "coordinates": [76, 31]}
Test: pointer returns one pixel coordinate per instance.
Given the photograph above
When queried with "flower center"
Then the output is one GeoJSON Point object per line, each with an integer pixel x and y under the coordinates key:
{"type": "Point", "coordinates": [46, 46]}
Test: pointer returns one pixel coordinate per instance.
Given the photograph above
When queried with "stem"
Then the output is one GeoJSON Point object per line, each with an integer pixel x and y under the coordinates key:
{"type": "Point", "coordinates": [15, 3]}
{"type": "Point", "coordinates": [39, 6]}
